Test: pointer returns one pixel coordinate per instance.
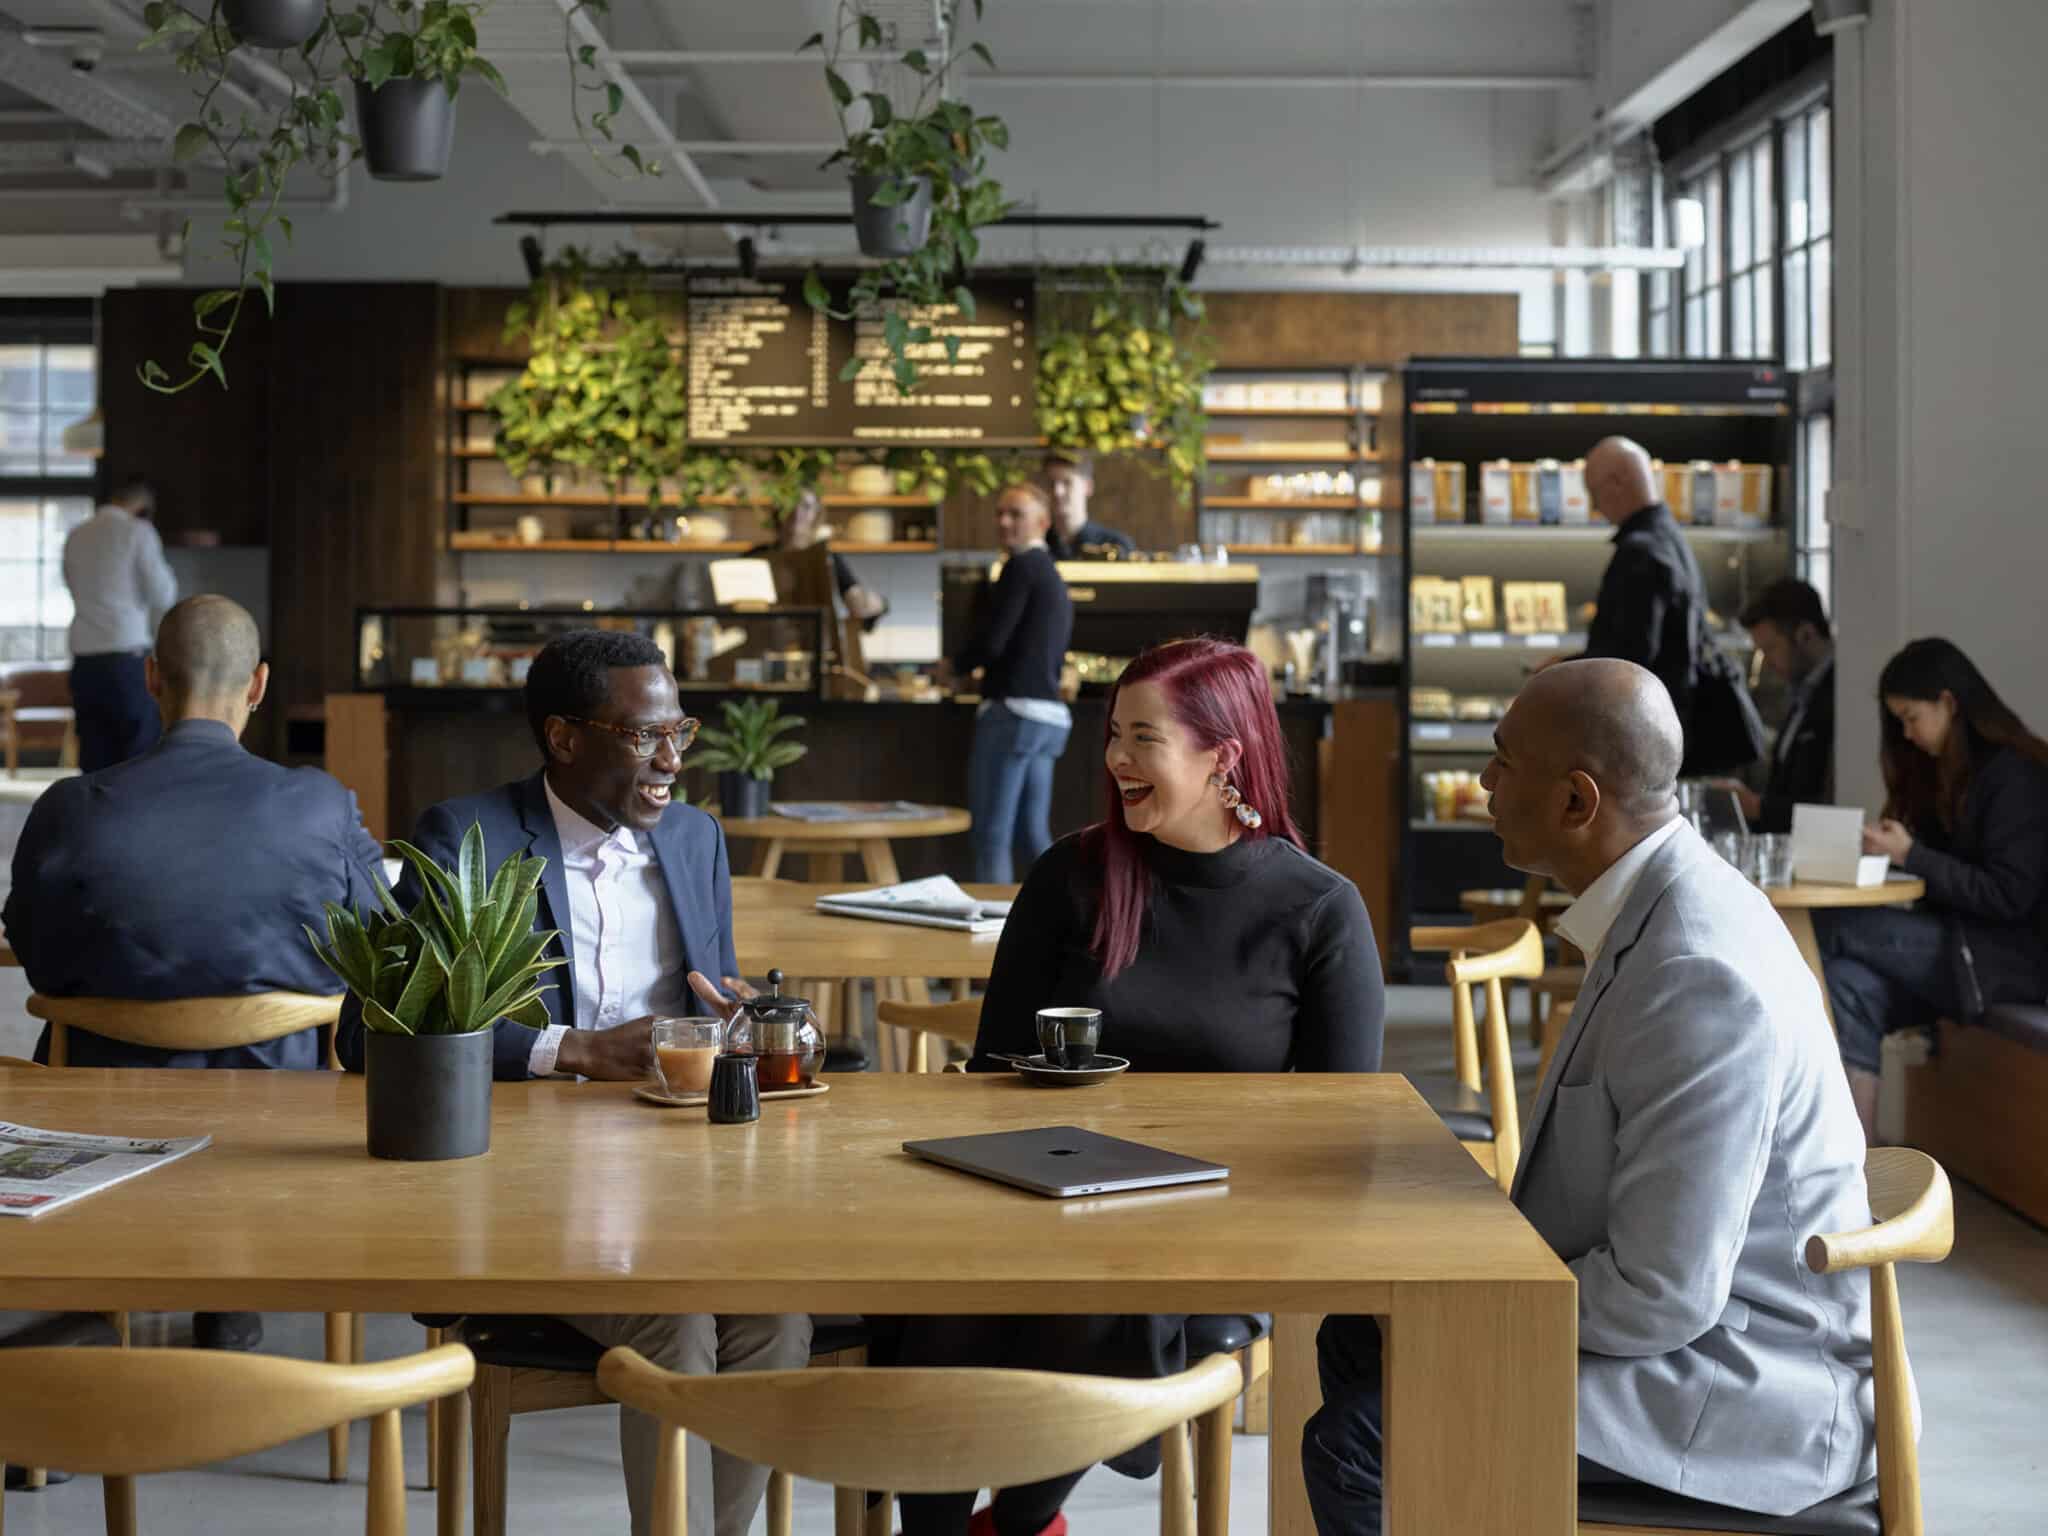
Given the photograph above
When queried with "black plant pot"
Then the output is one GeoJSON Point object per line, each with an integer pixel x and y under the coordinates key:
{"type": "Point", "coordinates": [407, 128]}
{"type": "Point", "coordinates": [272, 23]}
{"type": "Point", "coordinates": [429, 1096]}
{"type": "Point", "coordinates": [742, 796]}
{"type": "Point", "coordinates": [900, 230]}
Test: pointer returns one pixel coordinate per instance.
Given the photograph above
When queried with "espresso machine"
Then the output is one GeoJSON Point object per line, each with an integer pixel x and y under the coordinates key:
{"type": "Point", "coordinates": [1342, 607]}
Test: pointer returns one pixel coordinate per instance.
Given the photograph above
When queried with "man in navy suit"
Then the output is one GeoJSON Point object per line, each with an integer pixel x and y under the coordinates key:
{"type": "Point", "coordinates": [640, 894]}
{"type": "Point", "coordinates": [187, 871]}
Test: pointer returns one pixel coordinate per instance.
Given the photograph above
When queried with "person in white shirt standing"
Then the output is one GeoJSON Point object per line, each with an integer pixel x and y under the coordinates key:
{"type": "Point", "coordinates": [639, 892]}
{"type": "Point", "coordinates": [120, 586]}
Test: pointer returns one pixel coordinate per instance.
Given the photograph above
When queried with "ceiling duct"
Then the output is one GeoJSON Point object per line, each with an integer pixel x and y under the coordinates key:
{"type": "Point", "coordinates": [119, 112]}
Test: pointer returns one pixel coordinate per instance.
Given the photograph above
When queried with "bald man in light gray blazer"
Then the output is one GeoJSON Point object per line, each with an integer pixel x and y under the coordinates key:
{"type": "Point", "coordinates": [1694, 1130]}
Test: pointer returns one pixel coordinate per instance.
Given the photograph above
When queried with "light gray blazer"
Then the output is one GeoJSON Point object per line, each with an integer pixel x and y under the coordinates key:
{"type": "Point", "coordinates": [1694, 1130]}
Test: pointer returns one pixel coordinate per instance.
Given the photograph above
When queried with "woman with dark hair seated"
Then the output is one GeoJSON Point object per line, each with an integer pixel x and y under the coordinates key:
{"type": "Point", "coordinates": [1966, 810]}
{"type": "Point", "coordinates": [1211, 941]}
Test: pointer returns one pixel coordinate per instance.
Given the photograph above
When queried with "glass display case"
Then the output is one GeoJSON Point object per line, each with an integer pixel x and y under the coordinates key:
{"type": "Point", "coordinates": [484, 649]}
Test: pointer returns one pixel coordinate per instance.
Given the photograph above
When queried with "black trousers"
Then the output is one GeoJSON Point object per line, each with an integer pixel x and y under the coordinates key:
{"type": "Point", "coordinates": [116, 717]}
{"type": "Point", "coordinates": [1342, 1448]}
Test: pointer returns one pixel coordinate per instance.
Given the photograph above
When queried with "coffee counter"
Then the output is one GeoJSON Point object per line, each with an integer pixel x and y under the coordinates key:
{"type": "Point", "coordinates": [405, 749]}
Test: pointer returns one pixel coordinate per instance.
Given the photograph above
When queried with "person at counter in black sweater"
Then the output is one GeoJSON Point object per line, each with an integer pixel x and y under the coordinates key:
{"type": "Point", "coordinates": [1210, 940]}
{"type": "Point", "coordinates": [1967, 812]}
{"type": "Point", "coordinates": [1018, 644]}
{"type": "Point", "coordinates": [1075, 535]}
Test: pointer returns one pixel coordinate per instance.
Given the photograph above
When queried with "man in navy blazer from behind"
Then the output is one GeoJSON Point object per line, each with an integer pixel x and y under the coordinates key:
{"type": "Point", "coordinates": [640, 896]}
{"type": "Point", "coordinates": [188, 871]}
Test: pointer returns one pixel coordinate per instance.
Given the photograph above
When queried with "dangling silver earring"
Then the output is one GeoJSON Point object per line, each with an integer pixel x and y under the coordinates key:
{"type": "Point", "coordinates": [1233, 800]}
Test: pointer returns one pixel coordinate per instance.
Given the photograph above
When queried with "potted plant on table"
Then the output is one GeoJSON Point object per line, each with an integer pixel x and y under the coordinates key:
{"type": "Point", "coordinates": [431, 983]}
{"type": "Point", "coordinates": [746, 754]}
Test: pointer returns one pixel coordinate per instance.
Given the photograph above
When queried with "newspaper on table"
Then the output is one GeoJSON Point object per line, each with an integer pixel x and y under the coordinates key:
{"type": "Point", "coordinates": [932, 903]}
{"type": "Point", "coordinates": [41, 1171]}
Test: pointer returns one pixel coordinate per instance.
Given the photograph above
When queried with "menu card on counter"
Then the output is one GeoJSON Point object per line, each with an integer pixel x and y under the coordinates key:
{"type": "Point", "coordinates": [764, 368]}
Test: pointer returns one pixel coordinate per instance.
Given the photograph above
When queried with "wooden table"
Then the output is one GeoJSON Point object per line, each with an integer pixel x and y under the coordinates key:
{"type": "Point", "coordinates": [1797, 902]}
{"type": "Point", "coordinates": [824, 843]}
{"type": "Point", "coordinates": [592, 1202]}
{"type": "Point", "coordinates": [777, 925]}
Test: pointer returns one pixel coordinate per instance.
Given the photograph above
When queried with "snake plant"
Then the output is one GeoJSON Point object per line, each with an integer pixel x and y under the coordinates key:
{"type": "Point", "coordinates": [462, 959]}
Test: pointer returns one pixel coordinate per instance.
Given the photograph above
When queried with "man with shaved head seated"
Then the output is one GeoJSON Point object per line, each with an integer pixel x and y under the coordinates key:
{"type": "Point", "coordinates": [187, 871]}
{"type": "Point", "coordinates": [1693, 1131]}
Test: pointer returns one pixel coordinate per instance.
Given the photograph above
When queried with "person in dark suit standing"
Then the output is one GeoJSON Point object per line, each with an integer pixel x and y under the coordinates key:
{"type": "Point", "coordinates": [639, 892]}
{"type": "Point", "coordinates": [1966, 810]}
{"type": "Point", "coordinates": [1790, 627]}
{"type": "Point", "coordinates": [189, 870]}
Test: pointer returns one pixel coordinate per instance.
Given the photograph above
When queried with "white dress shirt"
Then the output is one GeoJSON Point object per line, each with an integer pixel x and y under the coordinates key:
{"type": "Point", "coordinates": [1586, 921]}
{"type": "Point", "coordinates": [624, 943]}
{"type": "Point", "coordinates": [120, 582]}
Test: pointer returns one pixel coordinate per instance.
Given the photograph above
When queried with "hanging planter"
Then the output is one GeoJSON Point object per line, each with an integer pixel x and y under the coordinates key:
{"type": "Point", "coordinates": [272, 23]}
{"type": "Point", "coordinates": [889, 221]}
{"type": "Point", "coordinates": [408, 128]}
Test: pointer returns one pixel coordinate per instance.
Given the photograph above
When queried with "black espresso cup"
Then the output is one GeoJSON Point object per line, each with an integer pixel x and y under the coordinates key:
{"type": "Point", "coordinates": [1068, 1036]}
{"type": "Point", "coordinates": [735, 1091]}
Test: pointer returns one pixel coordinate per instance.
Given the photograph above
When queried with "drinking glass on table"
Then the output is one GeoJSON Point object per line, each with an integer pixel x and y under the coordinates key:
{"type": "Point", "coordinates": [1774, 859]}
{"type": "Point", "coordinates": [683, 1053]}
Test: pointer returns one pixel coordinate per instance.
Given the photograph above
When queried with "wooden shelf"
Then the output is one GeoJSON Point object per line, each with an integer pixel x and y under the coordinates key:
{"type": "Point", "coordinates": [470, 406]}
{"type": "Point", "coordinates": [1332, 412]}
{"type": "Point", "coordinates": [1224, 454]}
{"type": "Point", "coordinates": [837, 499]}
{"type": "Point", "coordinates": [480, 499]}
{"type": "Point", "coordinates": [1303, 549]}
{"type": "Point", "coordinates": [1594, 533]}
{"type": "Point", "coordinates": [1451, 826]}
{"type": "Point", "coordinates": [1451, 736]}
{"type": "Point", "coordinates": [581, 499]}
{"type": "Point", "coordinates": [479, 543]}
{"type": "Point", "coordinates": [1271, 504]}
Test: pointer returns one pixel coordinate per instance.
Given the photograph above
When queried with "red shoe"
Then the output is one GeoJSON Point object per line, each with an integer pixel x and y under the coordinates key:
{"type": "Point", "coordinates": [984, 1523]}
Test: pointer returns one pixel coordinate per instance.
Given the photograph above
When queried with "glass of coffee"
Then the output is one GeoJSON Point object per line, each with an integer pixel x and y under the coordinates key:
{"type": "Point", "coordinates": [1068, 1036]}
{"type": "Point", "coordinates": [683, 1052]}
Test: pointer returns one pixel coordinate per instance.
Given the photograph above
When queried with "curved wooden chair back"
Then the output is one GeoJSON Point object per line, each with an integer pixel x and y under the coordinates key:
{"type": "Point", "coordinates": [189, 1023]}
{"type": "Point", "coordinates": [124, 1413]}
{"type": "Point", "coordinates": [920, 1431]}
{"type": "Point", "coordinates": [1915, 1224]}
{"type": "Point", "coordinates": [1485, 955]}
{"type": "Point", "coordinates": [959, 1022]}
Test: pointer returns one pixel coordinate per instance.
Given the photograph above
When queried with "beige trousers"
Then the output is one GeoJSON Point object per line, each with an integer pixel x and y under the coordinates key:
{"type": "Point", "coordinates": [722, 1491]}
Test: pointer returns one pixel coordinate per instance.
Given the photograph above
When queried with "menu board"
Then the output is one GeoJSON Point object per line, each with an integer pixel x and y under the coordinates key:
{"type": "Point", "coordinates": [764, 369]}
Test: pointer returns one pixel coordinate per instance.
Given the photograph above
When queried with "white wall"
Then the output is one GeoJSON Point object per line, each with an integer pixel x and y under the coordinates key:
{"type": "Point", "coordinates": [1941, 335]}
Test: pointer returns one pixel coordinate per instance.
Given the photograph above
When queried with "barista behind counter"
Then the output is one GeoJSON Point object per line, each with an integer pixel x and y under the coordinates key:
{"type": "Point", "coordinates": [1070, 477]}
{"type": "Point", "coordinates": [800, 530]}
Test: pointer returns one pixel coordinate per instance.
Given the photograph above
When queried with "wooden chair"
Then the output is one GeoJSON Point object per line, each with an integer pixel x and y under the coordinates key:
{"type": "Point", "coordinates": [957, 1022]}
{"type": "Point", "coordinates": [1486, 954]}
{"type": "Point", "coordinates": [1914, 1211]}
{"type": "Point", "coordinates": [218, 1024]}
{"type": "Point", "coordinates": [534, 1364]}
{"type": "Point", "coordinates": [939, 1431]}
{"type": "Point", "coordinates": [122, 1413]}
{"type": "Point", "coordinates": [1552, 995]}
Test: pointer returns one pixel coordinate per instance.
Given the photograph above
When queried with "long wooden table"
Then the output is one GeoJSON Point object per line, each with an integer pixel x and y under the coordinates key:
{"type": "Point", "coordinates": [777, 923]}
{"type": "Point", "coordinates": [1346, 1195]}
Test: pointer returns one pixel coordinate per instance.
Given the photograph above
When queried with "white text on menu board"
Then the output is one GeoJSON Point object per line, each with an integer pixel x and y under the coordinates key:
{"type": "Point", "coordinates": [973, 385]}
{"type": "Point", "coordinates": [730, 320]}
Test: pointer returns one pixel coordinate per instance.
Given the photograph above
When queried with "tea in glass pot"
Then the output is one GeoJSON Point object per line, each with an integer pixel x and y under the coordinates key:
{"type": "Point", "coordinates": [782, 1034]}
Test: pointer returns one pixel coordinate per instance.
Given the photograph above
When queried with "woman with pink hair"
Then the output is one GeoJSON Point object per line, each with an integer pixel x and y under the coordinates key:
{"type": "Point", "coordinates": [1211, 941]}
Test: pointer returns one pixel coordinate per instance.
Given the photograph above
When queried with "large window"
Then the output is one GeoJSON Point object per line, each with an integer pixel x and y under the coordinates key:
{"type": "Point", "coordinates": [1752, 243]}
{"type": "Point", "coordinates": [1816, 544]}
{"type": "Point", "coordinates": [1809, 241]}
{"type": "Point", "coordinates": [44, 492]}
{"type": "Point", "coordinates": [1700, 280]}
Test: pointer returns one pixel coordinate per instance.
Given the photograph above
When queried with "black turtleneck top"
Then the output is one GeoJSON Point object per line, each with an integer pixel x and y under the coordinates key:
{"type": "Point", "coordinates": [1254, 959]}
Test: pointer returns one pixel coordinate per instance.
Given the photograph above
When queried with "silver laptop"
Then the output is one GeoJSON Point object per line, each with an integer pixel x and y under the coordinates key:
{"type": "Point", "coordinates": [1064, 1160]}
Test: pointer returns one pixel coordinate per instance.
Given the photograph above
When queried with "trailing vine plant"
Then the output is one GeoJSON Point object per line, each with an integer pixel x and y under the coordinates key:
{"type": "Point", "coordinates": [930, 140]}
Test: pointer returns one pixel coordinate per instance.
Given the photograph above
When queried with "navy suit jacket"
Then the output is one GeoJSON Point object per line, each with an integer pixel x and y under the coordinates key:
{"type": "Point", "coordinates": [689, 846]}
{"type": "Point", "coordinates": [186, 872]}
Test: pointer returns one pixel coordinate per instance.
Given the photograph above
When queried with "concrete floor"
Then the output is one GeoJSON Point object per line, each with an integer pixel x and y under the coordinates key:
{"type": "Point", "coordinates": [1977, 1328]}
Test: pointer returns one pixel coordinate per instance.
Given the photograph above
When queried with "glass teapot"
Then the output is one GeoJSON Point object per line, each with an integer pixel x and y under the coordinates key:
{"type": "Point", "coordinates": [782, 1034]}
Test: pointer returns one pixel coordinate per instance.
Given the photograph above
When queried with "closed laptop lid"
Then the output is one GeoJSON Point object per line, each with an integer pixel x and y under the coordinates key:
{"type": "Point", "coordinates": [1064, 1160]}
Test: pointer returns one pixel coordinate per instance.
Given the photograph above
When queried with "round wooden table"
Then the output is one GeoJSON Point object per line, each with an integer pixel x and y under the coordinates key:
{"type": "Point", "coordinates": [1797, 902]}
{"type": "Point", "coordinates": [824, 843]}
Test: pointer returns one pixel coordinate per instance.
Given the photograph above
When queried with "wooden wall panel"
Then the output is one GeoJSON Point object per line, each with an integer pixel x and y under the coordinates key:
{"type": "Point", "coordinates": [206, 452]}
{"type": "Point", "coordinates": [1272, 330]}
